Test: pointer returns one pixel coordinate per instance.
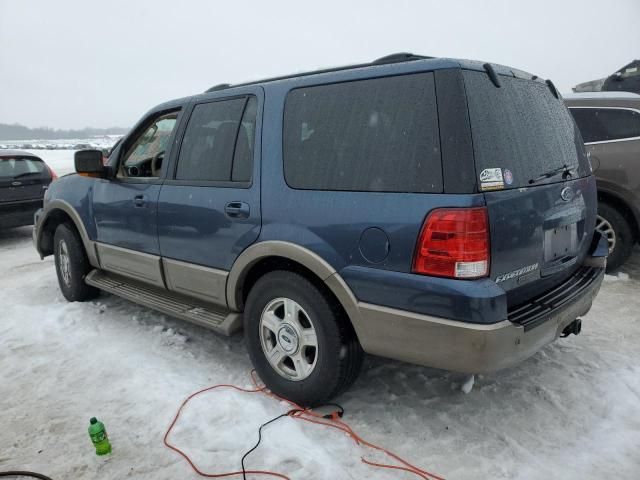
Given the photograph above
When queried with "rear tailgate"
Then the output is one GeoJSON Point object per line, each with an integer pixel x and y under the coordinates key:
{"type": "Point", "coordinates": [532, 167]}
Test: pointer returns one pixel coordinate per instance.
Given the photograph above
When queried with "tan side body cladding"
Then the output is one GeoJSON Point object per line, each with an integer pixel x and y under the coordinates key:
{"type": "Point", "coordinates": [211, 298]}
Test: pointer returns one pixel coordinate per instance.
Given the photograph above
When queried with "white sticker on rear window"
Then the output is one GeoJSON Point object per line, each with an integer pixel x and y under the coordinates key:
{"type": "Point", "coordinates": [491, 179]}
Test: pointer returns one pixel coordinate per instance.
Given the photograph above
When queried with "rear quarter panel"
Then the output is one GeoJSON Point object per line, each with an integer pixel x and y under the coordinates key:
{"type": "Point", "coordinates": [332, 224]}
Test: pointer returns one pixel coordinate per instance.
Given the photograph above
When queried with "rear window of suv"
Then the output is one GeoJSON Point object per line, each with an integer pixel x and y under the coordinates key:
{"type": "Point", "coordinates": [366, 135]}
{"type": "Point", "coordinates": [522, 129]}
{"type": "Point", "coordinates": [20, 167]}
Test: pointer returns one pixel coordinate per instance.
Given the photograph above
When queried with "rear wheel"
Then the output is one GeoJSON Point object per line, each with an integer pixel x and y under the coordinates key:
{"type": "Point", "coordinates": [299, 340]}
{"type": "Point", "coordinates": [72, 265]}
{"type": "Point", "coordinates": [614, 226]}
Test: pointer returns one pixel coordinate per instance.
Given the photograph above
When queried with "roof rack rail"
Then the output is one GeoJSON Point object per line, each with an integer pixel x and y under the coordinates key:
{"type": "Point", "coordinates": [393, 58]}
{"type": "Point", "coordinates": [398, 57]}
{"type": "Point", "coordinates": [220, 86]}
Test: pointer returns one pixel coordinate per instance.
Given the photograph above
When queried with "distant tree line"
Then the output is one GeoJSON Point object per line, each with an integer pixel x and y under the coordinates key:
{"type": "Point", "coordinates": [20, 132]}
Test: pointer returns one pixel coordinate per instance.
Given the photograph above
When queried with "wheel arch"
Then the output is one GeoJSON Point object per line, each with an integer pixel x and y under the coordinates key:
{"type": "Point", "coordinates": [57, 212]}
{"type": "Point", "coordinates": [272, 255]}
{"type": "Point", "coordinates": [623, 207]}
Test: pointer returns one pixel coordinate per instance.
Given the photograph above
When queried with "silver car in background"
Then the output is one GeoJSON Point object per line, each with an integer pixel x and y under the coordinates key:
{"type": "Point", "coordinates": [610, 126]}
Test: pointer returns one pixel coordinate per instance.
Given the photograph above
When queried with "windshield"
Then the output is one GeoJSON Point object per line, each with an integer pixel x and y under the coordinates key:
{"type": "Point", "coordinates": [520, 132]}
{"type": "Point", "coordinates": [19, 167]}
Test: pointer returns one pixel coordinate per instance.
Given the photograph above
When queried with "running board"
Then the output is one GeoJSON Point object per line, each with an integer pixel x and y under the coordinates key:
{"type": "Point", "coordinates": [206, 315]}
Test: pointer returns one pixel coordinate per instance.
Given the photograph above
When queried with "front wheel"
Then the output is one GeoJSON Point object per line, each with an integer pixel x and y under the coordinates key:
{"type": "Point", "coordinates": [72, 265]}
{"type": "Point", "coordinates": [299, 339]}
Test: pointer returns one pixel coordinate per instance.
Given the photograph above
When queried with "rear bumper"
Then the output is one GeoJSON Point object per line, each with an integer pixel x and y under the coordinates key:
{"type": "Point", "coordinates": [473, 348]}
{"type": "Point", "coordinates": [17, 216]}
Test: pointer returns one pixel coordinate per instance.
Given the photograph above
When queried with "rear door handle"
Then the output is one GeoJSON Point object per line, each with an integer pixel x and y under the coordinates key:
{"type": "Point", "coordinates": [140, 201]}
{"type": "Point", "coordinates": [237, 210]}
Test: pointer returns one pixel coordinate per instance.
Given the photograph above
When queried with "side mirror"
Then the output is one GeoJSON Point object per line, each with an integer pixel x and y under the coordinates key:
{"type": "Point", "coordinates": [89, 163]}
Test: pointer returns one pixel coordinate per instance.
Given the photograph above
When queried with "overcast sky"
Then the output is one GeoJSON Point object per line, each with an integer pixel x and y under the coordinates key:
{"type": "Point", "coordinates": [71, 64]}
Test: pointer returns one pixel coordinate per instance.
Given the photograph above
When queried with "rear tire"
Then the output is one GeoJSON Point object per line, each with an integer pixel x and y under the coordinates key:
{"type": "Point", "coordinates": [72, 265]}
{"type": "Point", "coordinates": [612, 224]}
{"type": "Point", "coordinates": [283, 310]}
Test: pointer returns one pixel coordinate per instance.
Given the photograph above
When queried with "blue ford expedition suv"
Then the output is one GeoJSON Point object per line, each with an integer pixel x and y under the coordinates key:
{"type": "Point", "coordinates": [430, 210]}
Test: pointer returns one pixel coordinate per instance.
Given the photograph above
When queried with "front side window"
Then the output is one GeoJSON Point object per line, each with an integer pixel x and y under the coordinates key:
{"type": "Point", "coordinates": [378, 135]}
{"type": "Point", "coordinates": [144, 157]}
{"type": "Point", "coordinates": [218, 142]}
{"type": "Point", "coordinates": [606, 124]}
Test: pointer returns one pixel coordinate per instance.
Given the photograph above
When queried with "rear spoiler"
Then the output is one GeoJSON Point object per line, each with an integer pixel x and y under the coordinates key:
{"type": "Point", "coordinates": [495, 79]}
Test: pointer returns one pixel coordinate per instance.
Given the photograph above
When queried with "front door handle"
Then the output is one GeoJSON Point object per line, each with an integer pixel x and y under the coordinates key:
{"type": "Point", "coordinates": [140, 201]}
{"type": "Point", "coordinates": [237, 210]}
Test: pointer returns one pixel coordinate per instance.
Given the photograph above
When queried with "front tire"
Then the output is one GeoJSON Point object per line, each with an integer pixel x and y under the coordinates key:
{"type": "Point", "coordinates": [614, 226]}
{"type": "Point", "coordinates": [299, 339]}
{"type": "Point", "coordinates": [72, 265]}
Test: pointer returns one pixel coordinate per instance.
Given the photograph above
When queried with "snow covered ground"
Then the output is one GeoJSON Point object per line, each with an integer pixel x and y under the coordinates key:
{"type": "Point", "coordinates": [61, 161]}
{"type": "Point", "coordinates": [99, 141]}
{"type": "Point", "coordinates": [570, 412]}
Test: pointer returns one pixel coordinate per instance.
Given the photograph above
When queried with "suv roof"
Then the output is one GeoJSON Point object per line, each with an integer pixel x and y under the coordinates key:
{"type": "Point", "coordinates": [396, 63]}
{"type": "Point", "coordinates": [387, 60]}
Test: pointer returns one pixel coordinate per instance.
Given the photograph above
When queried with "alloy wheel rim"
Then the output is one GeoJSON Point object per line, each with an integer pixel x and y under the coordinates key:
{"type": "Point", "coordinates": [64, 262]}
{"type": "Point", "coordinates": [606, 230]}
{"type": "Point", "coordinates": [288, 338]}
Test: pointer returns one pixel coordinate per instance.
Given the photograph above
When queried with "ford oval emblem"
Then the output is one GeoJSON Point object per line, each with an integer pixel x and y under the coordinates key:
{"type": "Point", "coordinates": [567, 194]}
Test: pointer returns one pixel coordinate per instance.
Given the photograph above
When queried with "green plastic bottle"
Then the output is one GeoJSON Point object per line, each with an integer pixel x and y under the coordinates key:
{"type": "Point", "coordinates": [99, 437]}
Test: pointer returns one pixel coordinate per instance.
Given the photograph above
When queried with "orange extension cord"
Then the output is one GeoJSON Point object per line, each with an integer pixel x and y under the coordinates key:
{"type": "Point", "coordinates": [300, 414]}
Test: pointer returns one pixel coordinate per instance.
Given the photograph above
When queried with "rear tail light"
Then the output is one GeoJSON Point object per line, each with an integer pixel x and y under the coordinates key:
{"type": "Point", "coordinates": [454, 243]}
{"type": "Point", "coordinates": [52, 173]}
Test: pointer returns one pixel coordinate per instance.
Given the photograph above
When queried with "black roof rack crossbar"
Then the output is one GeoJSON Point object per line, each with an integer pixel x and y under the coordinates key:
{"type": "Point", "coordinates": [393, 58]}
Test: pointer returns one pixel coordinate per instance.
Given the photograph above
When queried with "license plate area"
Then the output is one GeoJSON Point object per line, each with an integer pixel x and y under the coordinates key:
{"type": "Point", "coordinates": [560, 242]}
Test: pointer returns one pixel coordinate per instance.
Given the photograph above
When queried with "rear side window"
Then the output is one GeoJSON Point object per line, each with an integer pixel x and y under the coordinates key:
{"type": "Point", "coordinates": [367, 135]}
{"type": "Point", "coordinates": [11, 168]}
{"type": "Point", "coordinates": [218, 142]}
{"type": "Point", "coordinates": [606, 124]}
{"type": "Point", "coordinates": [520, 131]}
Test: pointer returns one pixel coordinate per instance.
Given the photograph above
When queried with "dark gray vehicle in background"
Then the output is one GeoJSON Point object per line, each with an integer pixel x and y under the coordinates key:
{"type": "Point", "coordinates": [610, 126]}
{"type": "Point", "coordinates": [24, 177]}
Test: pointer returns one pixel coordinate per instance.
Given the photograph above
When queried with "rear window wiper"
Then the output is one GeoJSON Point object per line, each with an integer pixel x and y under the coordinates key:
{"type": "Point", "coordinates": [564, 169]}
{"type": "Point", "coordinates": [26, 174]}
